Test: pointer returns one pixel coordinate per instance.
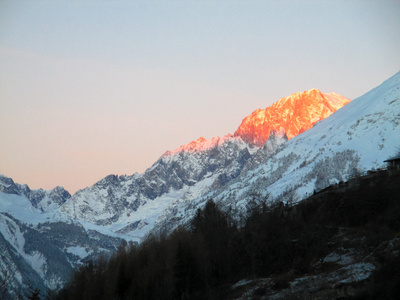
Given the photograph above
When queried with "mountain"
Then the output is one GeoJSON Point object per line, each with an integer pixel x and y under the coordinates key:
{"type": "Point", "coordinates": [39, 245]}
{"type": "Point", "coordinates": [340, 243]}
{"type": "Point", "coordinates": [45, 234]}
{"type": "Point", "coordinates": [353, 140]}
{"type": "Point", "coordinates": [131, 204]}
{"type": "Point", "coordinates": [40, 199]}
{"type": "Point", "coordinates": [294, 114]}
{"type": "Point", "coordinates": [230, 169]}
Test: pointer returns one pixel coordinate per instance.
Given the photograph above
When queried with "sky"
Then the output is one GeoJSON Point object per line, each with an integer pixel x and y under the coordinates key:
{"type": "Point", "coordinates": [92, 88]}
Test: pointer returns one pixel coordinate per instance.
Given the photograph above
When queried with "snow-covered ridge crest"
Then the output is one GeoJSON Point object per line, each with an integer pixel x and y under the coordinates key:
{"type": "Point", "coordinates": [201, 144]}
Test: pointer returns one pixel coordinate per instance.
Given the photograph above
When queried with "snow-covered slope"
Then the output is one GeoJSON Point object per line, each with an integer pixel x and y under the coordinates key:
{"type": "Point", "coordinates": [356, 138]}
{"type": "Point", "coordinates": [40, 248]}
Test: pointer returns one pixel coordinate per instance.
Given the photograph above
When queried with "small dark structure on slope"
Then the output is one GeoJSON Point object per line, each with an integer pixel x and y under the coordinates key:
{"type": "Point", "coordinates": [393, 163]}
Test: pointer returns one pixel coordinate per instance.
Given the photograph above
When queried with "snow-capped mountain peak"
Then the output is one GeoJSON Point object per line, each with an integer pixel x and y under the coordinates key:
{"type": "Point", "coordinates": [293, 114]}
{"type": "Point", "coordinates": [357, 138]}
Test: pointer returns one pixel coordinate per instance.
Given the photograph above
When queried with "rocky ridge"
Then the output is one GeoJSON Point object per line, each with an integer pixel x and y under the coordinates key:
{"type": "Point", "coordinates": [40, 199]}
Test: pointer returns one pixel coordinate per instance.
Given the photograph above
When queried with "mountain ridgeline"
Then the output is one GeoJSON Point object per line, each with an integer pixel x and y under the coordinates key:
{"type": "Point", "coordinates": [213, 163]}
{"type": "Point", "coordinates": [291, 150]}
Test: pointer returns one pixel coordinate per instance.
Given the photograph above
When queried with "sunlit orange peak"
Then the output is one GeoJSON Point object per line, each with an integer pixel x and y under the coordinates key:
{"type": "Point", "coordinates": [294, 114]}
{"type": "Point", "coordinates": [290, 115]}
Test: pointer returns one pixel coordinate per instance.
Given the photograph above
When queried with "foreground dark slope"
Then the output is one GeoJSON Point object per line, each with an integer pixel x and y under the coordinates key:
{"type": "Point", "coordinates": [339, 243]}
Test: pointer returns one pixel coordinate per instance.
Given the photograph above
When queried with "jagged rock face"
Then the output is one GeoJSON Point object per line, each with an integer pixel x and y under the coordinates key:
{"type": "Point", "coordinates": [201, 158]}
{"type": "Point", "coordinates": [294, 114]}
{"type": "Point", "coordinates": [106, 200]}
{"type": "Point", "coordinates": [221, 159]}
{"type": "Point", "coordinates": [8, 186]}
{"type": "Point", "coordinates": [40, 199]}
{"type": "Point", "coordinates": [274, 142]}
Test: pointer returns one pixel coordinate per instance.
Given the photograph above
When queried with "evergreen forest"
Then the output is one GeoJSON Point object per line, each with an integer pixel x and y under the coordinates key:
{"type": "Point", "coordinates": [280, 241]}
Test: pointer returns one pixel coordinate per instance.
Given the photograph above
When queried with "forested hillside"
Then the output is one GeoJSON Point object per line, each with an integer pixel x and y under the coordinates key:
{"type": "Point", "coordinates": [340, 243]}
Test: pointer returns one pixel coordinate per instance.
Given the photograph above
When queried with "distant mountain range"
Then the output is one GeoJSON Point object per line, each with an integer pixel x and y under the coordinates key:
{"type": "Point", "coordinates": [300, 144]}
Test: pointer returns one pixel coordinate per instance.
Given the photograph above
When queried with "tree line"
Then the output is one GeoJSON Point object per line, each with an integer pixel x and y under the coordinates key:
{"type": "Point", "coordinates": [202, 260]}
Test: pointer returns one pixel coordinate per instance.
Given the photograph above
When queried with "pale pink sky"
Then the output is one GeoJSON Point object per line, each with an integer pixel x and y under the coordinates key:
{"type": "Point", "coordinates": [91, 88]}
